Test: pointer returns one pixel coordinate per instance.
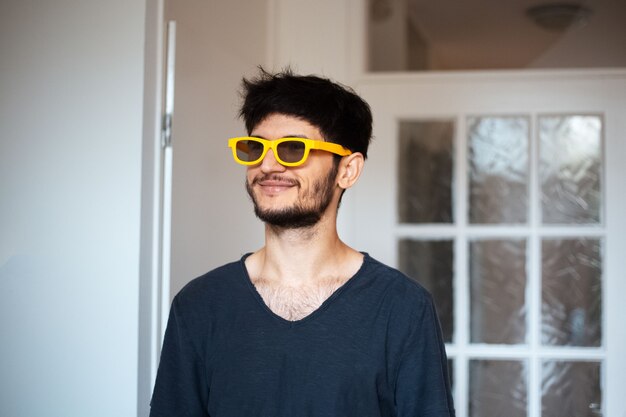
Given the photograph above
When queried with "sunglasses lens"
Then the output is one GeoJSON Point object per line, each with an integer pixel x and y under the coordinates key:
{"type": "Point", "coordinates": [249, 150]}
{"type": "Point", "coordinates": [291, 151]}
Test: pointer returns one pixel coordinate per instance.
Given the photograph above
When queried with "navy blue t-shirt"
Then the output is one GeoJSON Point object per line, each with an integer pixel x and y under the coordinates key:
{"type": "Point", "coordinates": [372, 349]}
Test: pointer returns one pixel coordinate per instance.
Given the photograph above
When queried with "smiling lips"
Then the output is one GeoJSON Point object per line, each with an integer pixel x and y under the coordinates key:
{"type": "Point", "coordinates": [274, 185]}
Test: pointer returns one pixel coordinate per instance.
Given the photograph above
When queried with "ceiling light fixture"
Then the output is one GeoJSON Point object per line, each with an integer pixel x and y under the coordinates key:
{"type": "Point", "coordinates": [559, 16]}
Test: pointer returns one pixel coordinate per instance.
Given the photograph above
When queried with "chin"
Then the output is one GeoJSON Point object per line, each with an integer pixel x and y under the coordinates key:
{"type": "Point", "coordinates": [273, 203]}
{"type": "Point", "coordinates": [290, 219]}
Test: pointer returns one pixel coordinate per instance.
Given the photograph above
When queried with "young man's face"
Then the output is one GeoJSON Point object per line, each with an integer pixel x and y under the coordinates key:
{"type": "Point", "coordinates": [291, 197]}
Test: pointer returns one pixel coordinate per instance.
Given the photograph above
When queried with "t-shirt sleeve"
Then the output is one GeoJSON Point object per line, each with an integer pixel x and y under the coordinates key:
{"type": "Point", "coordinates": [181, 387]}
{"type": "Point", "coordinates": [422, 384]}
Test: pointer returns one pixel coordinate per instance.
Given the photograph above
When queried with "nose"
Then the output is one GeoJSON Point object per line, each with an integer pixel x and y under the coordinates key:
{"type": "Point", "coordinates": [270, 164]}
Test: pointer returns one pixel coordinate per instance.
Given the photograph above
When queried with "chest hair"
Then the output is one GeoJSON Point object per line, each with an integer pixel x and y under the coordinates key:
{"type": "Point", "coordinates": [295, 303]}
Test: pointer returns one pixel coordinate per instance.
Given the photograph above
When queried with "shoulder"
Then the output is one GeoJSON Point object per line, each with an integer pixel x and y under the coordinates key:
{"type": "Point", "coordinates": [406, 302]}
{"type": "Point", "coordinates": [405, 307]}
{"type": "Point", "coordinates": [211, 287]}
{"type": "Point", "coordinates": [396, 282]}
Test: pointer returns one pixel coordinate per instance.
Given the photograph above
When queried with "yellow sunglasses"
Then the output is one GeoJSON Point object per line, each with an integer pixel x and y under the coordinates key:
{"type": "Point", "coordinates": [289, 152]}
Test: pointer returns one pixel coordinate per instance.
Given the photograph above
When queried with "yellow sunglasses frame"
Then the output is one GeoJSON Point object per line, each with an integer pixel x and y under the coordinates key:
{"type": "Point", "coordinates": [273, 145]}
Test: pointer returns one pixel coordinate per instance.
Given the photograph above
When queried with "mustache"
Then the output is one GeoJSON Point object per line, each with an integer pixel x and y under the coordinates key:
{"type": "Point", "coordinates": [275, 177]}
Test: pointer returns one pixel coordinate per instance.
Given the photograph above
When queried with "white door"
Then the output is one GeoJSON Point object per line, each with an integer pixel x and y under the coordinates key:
{"type": "Point", "coordinates": [505, 194]}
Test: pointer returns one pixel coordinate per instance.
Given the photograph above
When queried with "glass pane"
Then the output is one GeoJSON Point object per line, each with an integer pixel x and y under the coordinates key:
{"type": "Point", "coordinates": [426, 35]}
{"type": "Point", "coordinates": [571, 389]}
{"type": "Point", "coordinates": [498, 289]}
{"type": "Point", "coordinates": [570, 168]}
{"type": "Point", "coordinates": [571, 291]}
{"type": "Point", "coordinates": [425, 172]}
{"type": "Point", "coordinates": [430, 264]}
{"type": "Point", "coordinates": [498, 160]}
{"type": "Point", "coordinates": [497, 388]}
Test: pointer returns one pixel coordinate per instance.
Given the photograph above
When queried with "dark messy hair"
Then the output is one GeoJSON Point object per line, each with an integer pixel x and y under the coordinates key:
{"type": "Point", "coordinates": [336, 110]}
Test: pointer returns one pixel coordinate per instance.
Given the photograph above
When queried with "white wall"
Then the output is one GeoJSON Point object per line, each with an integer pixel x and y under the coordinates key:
{"type": "Point", "coordinates": [71, 90]}
{"type": "Point", "coordinates": [217, 43]}
{"type": "Point", "coordinates": [311, 36]}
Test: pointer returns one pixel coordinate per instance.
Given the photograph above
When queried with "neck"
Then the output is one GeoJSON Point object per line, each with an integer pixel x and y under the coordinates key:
{"type": "Point", "coordinates": [296, 257]}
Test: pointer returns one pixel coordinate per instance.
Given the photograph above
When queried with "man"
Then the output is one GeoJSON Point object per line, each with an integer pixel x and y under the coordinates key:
{"type": "Point", "coordinates": [306, 325]}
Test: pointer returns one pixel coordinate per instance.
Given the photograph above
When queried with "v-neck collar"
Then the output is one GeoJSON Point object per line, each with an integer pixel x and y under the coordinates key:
{"type": "Point", "coordinates": [335, 295]}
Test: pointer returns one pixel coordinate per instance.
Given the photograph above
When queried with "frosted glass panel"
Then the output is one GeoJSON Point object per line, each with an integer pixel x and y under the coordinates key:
{"type": "Point", "coordinates": [430, 264]}
{"type": "Point", "coordinates": [571, 389]}
{"type": "Point", "coordinates": [425, 172]}
{"type": "Point", "coordinates": [497, 388]}
{"type": "Point", "coordinates": [570, 168]}
{"type": "Point", "coordinates": [571, 292]}
{"type": "Point", "coordinates": [498, 161]}
{"type": "Point", "coordinates": [498, 288]}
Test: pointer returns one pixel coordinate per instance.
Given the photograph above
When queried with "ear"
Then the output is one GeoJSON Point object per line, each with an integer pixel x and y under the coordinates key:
{"type": "Point", "coordinates": [350, 169]}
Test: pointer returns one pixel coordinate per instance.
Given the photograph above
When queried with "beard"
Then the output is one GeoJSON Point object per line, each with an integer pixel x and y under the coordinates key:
{"type": "Point", "coordinates": [305, 213]}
